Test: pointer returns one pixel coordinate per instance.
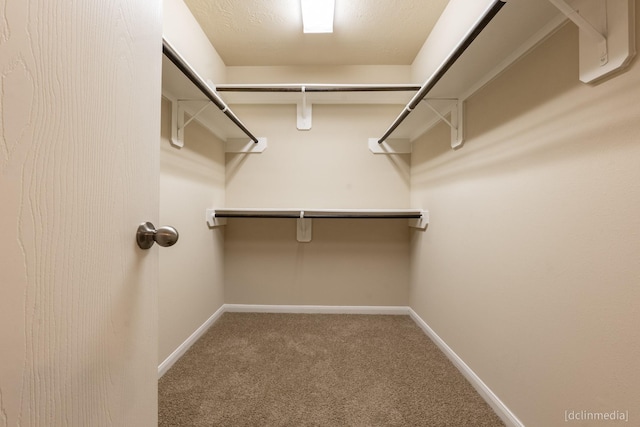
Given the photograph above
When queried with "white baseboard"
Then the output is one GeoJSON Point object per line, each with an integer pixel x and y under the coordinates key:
{"type": "Point", "coordinates": [182, 349]}
{"type": "Point", "coordinates": [485, 392]}
{"type": "Point", "coordinates": [316, 309]}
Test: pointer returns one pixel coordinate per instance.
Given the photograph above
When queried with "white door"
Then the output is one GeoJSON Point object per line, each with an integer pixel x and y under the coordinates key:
{"type": "Point", "coordinates": [79, 159]}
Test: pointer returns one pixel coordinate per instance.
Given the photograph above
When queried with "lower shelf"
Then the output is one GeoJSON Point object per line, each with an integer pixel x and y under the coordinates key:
{"type": "Point", "coordinates": [418, 218]}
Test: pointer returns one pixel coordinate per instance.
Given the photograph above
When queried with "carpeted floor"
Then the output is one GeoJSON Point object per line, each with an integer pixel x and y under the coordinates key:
{"type": "Point", "coordinates": [317, 370]}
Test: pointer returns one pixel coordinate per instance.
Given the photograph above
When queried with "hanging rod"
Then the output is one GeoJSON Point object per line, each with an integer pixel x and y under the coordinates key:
{"type": "Point", "coordinates": [444, 67]}
{"type": "Point", "coordinates": [417, 218]}
{"type": "Point", "coordinates": [314, 87]}
{"type": "Point", "coordinates": [195, 78]}
{"type": "Point", "coordinates": [320, 213]}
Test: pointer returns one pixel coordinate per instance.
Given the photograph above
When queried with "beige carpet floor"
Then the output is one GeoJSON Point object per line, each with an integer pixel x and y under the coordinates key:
{"type": "Point", "coordinates": [317, 370]}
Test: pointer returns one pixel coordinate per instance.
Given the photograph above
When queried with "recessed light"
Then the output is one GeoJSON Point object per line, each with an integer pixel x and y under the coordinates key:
{"type": "Point", "coordinates": [317, 16]}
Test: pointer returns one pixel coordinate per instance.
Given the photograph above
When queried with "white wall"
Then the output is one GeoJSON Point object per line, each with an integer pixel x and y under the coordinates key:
{"type": "Point", "coordinates": [348, 262]}
{"type": "Point", "coordinates": [191, 272]}
{"type": "Point", "coordinates": [181, 29]}
{"type": "Point", "coordinates": [191, 179]}
{"type": "Point", "coordinates": [348, 74]}
{"type": "Point", "coordinates": [530, 266]}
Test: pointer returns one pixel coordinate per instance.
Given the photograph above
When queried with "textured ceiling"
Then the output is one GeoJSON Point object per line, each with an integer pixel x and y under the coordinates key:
{"type": "Point", "coordinates": [269, 32]}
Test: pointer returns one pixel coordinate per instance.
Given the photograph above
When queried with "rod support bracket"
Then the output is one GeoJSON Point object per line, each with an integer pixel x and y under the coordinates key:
{"type": "Point", "coordinates": [422, 222]}
{"type": "Point", "coordinates": [178, 124]}
{"type": "Point", "coordinates": [304, 112]}
{"type": "Point", "coordinates": [212, 221]}
{"type": "Point", "coordinates": [455, 121]}
{"type": "Point", "coordinates": [245, 145]}
{"type": "Point", "coordinates": [390, 146]}
{"type": "Point", "coordinates": [304, 228]}
{"type": "Point", "coordinates": [606, 35]}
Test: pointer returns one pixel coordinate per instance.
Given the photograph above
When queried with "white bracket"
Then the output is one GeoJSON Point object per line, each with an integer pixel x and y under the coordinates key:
{"type": "Point", "coordinates": [304, 227]}
{"type": "Point", "coordinates": [232, 145]}
{"type": "Point", "coordinates": [303, 111]}
{"type": "Point", "coordinates": [177, 138]}
{"type": "Point", "coordinates": [422, 222]}
{"type": "Point", "coordinates": [177, 119]}
{"type": "Point", "coordinates": [390, 146]}
{"type": "Point", "coordinates": [212, 221]}
{"type": "Point", "coordinates": [606, 35]}
{"type": "Point", "coordinates": [456, 123]}
{"type": "Point", "coordinates": [177, 124]}
{"type": "Point", "coordinates": [245, 145]}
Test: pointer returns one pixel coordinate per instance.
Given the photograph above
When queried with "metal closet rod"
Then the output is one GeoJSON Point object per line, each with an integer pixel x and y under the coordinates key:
{"type": "Point", "coordinates": [195, 78]}
{"type": "Point", "coordinates": [444, 67]}
{"type": "Point", "coordinates": [314, 87]}
{"type": "Point", "coordinates": [320, 215]}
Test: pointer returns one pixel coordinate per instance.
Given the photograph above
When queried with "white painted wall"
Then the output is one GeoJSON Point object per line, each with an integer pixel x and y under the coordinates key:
{"type": "Point", "coordinates": [79, 130]}
{"type": "Point", "coordinates": [191, 272]}
{"type": "Point", "coordinates": [348, 74]}
{"type": "Point", "coordinates": [192, 179]}
{"type": "Point", "coordinates": [348, 262]}
{"type": "Point", "coordinates": [529, 268]}
{"type": "Point", "coordinates": [181, 29]}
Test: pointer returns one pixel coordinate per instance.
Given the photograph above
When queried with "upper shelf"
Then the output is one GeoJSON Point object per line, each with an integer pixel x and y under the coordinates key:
{"type": "Point", "coordinates": [318, 93]}
{"type": "Point", "coordinates": [517, 28]}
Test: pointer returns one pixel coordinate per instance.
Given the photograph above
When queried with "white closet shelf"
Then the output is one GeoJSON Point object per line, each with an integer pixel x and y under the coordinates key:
{"type": "Point", "coordinates": [418, 218]}
{"type": "Point", "coordinates": [315, 213]}
{"type": "Point", "coordinates": [513, 32]}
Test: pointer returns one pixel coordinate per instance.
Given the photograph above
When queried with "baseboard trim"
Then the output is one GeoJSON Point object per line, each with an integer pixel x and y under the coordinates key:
{"type": "Point", "coordinates": [485, 392]}
{"type": "Point", "coordinates": [182, 349]}
{"type": "Point", "coordinates": [316, 309]}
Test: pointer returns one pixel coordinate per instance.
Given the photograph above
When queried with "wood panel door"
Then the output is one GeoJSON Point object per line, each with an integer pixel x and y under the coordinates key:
{"type": "Point", "coordinates": [80, 85]}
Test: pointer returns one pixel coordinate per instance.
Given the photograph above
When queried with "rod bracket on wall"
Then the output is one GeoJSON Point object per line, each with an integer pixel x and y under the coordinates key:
{"type": "Point", "coordinates": [606, 35]}
{"type": "Point", "coordinates": [390, 146]}
{"type": "Point", "coordinates": [212, 221]}
{"type": "Point", "coordinates": [455, 121]}
{"type": "Point", "coordinates": [303, 228]}
{"type": "Point", "coordinates": [304, 111]}
{"type": "Point", "coordinates": [178, 123]}
{"type": "Point", "coordinates": [181, 106]}
{"type": "Point", "coordinates": [245, 145]}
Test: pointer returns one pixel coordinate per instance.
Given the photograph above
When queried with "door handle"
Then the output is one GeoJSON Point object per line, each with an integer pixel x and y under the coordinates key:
{"type": "Point", "coordinates": [147, 235]}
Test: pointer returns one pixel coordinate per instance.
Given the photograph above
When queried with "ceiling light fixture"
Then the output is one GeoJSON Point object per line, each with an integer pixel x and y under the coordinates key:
{"type": "Point", "coordinates": [317, 16]}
